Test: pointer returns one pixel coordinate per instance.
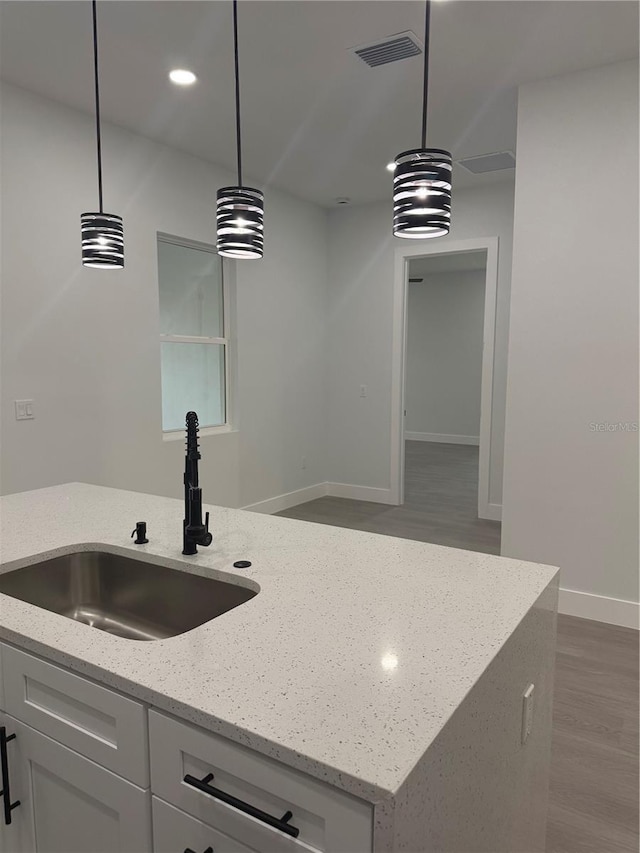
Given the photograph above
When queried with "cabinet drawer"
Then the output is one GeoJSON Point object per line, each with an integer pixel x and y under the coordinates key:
{"type": "Point", "coordinates": [327, 819]}
{"type": "Point", "coordinates": [175, 831]}
{"type": "Point", "coordinates": [96, 722]}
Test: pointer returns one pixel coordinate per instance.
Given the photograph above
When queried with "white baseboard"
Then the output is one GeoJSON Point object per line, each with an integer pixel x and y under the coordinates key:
{"type": "Point", "coordinates": [319, 490]}
{"type": "Point", "coordinates": [289, 499]}
{"type": "Point", "coordinates": [493, 512]}
{"type": "Point", "coordinates": [442, 438]}
{"type": "Point", "coordinates": [615, 611]}
{"type": "Point", "coordinates": [359, 493]}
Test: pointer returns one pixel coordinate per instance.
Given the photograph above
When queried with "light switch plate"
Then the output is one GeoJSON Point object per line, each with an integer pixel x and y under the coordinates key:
{"type": "Point", "coordinates": [24, 410]}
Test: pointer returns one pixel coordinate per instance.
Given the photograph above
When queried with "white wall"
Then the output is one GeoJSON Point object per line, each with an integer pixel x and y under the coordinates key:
{"type": "Point", "coordinates": [361, 254]}
{"type": "Point", "coordinates": [570, 492]}
{"type": "Point", "coordinates": [445, 320]}
{"type": "Point", "coordinates": [84, 343]}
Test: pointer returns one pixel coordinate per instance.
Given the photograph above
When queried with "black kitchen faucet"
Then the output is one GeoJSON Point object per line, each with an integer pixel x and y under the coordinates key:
{"type": "Point", "coordinates": [194, 532]}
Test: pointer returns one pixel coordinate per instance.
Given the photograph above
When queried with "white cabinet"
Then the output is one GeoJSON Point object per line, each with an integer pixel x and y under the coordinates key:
{"type": "Point", "coordinates": [68, 804]}
{"type": "Point", "coordinates": [96, 722]}
{"type": "Point", "coordinates": [2, 706]}
{"type": "Point", "coordinates": [260, 803]}
{"type": "Point", "coordinates": [16, 834]}
{"type": "Point", "coordinates": [81, 758]}
{"type": "Point", "coordinates": [175, 832]}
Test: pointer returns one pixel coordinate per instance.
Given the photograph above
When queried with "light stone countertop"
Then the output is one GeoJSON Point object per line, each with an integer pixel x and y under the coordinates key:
{"type": "Point", "coordinates": [346, 665]}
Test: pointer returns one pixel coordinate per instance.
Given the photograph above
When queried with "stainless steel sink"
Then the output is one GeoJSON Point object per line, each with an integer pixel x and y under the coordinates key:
{"type": "Point", "coordinates": [123, 596]}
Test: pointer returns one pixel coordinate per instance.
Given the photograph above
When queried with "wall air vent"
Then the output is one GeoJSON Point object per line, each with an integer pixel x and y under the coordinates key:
{"type": "Point", "coordinates": [389, 49]}
{"type": "Point", "coordinates": [494, 162]}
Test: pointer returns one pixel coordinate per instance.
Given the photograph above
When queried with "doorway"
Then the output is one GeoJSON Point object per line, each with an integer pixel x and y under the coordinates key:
{"type": "Point", "coordinates": [444, 330]}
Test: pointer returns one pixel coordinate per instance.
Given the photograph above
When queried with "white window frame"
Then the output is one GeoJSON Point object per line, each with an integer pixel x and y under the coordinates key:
{"type": "Point", "coordinates": [177, 434]}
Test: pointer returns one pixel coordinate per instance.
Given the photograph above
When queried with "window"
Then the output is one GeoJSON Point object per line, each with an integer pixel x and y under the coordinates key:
{"type": "Point", "coordinates": [193, 334]}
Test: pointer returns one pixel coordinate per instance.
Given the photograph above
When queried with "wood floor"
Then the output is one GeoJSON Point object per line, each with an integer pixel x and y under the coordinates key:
{"type": "Point", "coordinates": [593, 803]}
{"type": "Point", "coordinates": [441, 502]}
{"type": "Point", "coordinates": [593, 800]}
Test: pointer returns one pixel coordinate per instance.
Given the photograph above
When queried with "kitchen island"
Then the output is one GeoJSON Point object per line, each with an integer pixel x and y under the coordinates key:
{"type": "Point", "coordinates": [394, 676]}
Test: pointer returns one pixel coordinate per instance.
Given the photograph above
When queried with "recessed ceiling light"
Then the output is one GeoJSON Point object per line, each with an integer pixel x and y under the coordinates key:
{"type": "Point", "coordinates": [182, 77]}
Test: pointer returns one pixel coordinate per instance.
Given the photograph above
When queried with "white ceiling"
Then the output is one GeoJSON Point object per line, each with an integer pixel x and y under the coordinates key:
{"type": "Point", "coordinates": [316, 120]}
{"type": "Point", "coordinates": [451, 262]}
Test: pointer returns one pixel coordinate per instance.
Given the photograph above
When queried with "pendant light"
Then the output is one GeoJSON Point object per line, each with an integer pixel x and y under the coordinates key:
{"type": "Point", "coordinates": [422, 177]}
{"type": "Point", "coordinates": [102, 233]}
{"type": "Point", "coordinates": [240, 209]}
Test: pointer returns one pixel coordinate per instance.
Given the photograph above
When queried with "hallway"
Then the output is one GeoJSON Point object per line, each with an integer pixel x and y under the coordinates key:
{"type": "Point", "coordinates": [441, 497]}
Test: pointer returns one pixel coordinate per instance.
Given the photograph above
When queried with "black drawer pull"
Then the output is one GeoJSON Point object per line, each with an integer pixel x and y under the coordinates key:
{"type": "Point", "coordinates": [189, 850]}
{"type": "Point", "coordinates": [281, 823]}
{"type": "Point", "coordinates": [4, 764]}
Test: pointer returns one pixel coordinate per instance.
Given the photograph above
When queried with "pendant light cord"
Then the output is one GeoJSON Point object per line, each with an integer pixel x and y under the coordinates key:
{"type": "Point", "coordinates": [237, 70]}
{"type": "Point", "coordinates": [425, 79]}
{"type": "Point", "coordinates": [97, 89]}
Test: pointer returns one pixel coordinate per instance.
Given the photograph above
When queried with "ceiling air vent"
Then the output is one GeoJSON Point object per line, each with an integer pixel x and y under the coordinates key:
{"type": "Point", "coordinates": [389, 49]}
{"type": "Point", "coordinates": [488, 162]}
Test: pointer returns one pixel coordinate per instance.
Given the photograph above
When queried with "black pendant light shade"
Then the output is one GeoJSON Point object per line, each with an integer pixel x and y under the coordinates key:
{"type": "Point", "coordinates": [240, 222]}
{"type": "Point", "coordinates": [102, 233]}
{"type": "Point", "coordinates": [422, 176]}
{"type": "Point", "coordinates": [239, 209]}
{"type": "Point", "coordinates": [102, 240]}
{"type": "Point", "coordinates": [422, 193]}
